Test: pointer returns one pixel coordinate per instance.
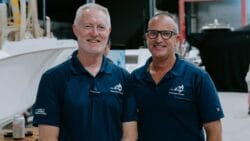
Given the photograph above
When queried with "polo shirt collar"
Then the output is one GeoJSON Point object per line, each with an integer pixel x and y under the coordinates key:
{"type": "Point", "coordinates": [107, 66]}
{"type": "Point", "coordinates": [77, 68]}
{"type": "Point", "coordinates": [177, 70]}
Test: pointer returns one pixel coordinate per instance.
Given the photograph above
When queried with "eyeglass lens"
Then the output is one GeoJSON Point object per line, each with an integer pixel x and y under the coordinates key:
{"type": "Point", "coordinates": [164, 34]}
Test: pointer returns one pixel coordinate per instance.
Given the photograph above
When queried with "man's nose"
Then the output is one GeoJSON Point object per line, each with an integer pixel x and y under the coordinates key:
{"type": "Point", "coordinates": [159, 37]}
{"type": "Point", "coordinates": [94, 31]}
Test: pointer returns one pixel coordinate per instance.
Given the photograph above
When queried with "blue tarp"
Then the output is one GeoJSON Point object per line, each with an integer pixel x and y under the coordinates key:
{"type": "Point", "coordinates": [4, 1]}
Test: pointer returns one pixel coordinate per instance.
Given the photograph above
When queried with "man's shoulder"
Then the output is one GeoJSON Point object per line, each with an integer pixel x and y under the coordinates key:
{"type": "Point", "coordinates": [190, 67]}
{"type": "Point", "coordinates": [117, 69]}
{"type": "Point", "coordinates": [139, 72]}
{"type": "Point", "coordinates": [60, 69]}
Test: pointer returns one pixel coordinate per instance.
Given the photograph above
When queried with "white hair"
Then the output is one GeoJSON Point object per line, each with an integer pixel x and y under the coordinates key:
{"type": "Point", "coordinates": [84, 7]}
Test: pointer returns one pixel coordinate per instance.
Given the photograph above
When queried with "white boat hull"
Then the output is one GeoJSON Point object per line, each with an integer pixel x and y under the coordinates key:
{"type": "Point", "coordinates": [20, 74]}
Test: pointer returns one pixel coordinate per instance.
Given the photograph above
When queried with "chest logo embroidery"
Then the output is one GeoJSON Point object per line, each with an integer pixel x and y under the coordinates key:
{"type": "Point", "coordinates": [177, 90]}
{"type": "Point", "coordinates": [117, 89]}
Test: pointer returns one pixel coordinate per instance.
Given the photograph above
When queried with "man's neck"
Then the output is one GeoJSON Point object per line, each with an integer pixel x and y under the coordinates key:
{"type": "Point", "coordinates": [162, 64]}
{"type": "Point", "coordinates": [91, 62]}
{"type": "Point", "coordinates": [159, 67]}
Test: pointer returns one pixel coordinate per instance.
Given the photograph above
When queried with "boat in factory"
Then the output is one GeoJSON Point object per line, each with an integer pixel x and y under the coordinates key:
{"type": "Point", "coordinates": [20, 72]}
{"type": "Point", "coordinates": [25, 53]}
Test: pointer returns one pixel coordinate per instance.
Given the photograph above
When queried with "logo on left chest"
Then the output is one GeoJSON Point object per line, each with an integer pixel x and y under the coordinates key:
{"type": "Point", "coordinates": [178, 90]}
{"type": "Point", "coordinates": [117, 89]}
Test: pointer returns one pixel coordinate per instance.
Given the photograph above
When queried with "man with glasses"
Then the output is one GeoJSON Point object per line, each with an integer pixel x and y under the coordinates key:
{"type": "Point", "coordinates": [175, 99]}
{"type": "Point", "coordinates": [87, 98]}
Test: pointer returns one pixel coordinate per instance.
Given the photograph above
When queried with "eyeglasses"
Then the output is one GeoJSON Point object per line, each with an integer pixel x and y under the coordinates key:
{"type": "Point", "coordinates": [165, 34]}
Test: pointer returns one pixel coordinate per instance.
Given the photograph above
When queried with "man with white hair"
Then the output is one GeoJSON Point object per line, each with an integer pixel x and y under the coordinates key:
{"type": "Point", "coordinates": [87, 98]}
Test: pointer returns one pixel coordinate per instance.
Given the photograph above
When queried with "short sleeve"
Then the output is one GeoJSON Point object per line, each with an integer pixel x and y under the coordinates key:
{"type": "Point", "coordinates": [47, 106]}
{"type": "Point", "coordinates": [208, 100]}
{"type": "Point", "coordinates": [129, 102]}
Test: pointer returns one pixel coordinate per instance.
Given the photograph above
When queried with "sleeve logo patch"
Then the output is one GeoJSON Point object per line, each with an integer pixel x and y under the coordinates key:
{"type": "Point", "coordinates": [40, 111]}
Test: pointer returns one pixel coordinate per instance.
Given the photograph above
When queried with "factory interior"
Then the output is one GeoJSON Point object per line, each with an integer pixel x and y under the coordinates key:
{"type": "Point", "coordinates": [36, 35]}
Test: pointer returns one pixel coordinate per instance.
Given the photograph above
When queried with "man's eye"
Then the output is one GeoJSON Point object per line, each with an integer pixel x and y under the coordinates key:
{"type": "Point", "coordinates": [87, 26]}
{"type": "Point", "coordinates": [166, 34]}
{"type": "Point", "coordinates": [101, 28]}
{"type": "Point", "coordinates": [153, 32]}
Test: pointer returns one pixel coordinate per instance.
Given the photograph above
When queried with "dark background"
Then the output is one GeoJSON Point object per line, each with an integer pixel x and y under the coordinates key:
{"type": "Point", "coordinates": [224, 54]}
{"type": "Point", "coordinates": [128, 18]}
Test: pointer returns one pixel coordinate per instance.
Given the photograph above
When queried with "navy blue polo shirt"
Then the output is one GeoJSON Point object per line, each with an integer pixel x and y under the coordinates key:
{"type": "Point", "coordinates": [176, 107]}
{"type": "Point", "coordinates": [85, 108]}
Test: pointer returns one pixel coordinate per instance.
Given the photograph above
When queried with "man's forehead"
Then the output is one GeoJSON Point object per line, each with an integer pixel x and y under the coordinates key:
{"type": "Point", "coordinates": [162, 20]}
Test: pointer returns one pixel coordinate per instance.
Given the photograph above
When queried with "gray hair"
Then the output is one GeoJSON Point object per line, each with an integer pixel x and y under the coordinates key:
{"type": "Point", "coordinates": [84, 7]}
{"type": "Point", "coordinates": [167, 14]}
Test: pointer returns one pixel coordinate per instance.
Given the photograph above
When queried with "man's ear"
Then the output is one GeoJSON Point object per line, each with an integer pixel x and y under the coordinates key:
{"type": "Point", "coordinates": [110, 30]}
{"type": "Point", "coordinates": [75, 30]}
{"type": "Point", "coordinates": [178, 38]}
{"type": "Point", "coordinates": [144, 36]}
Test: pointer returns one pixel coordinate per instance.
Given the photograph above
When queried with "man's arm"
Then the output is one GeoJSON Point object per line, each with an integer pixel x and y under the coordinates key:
{"type": "Point", "coordinates": [213, 130]}
{"type": "Point", "coordinates": [48, 133]}
{"type": "Point", "coordinates": [129, 131]}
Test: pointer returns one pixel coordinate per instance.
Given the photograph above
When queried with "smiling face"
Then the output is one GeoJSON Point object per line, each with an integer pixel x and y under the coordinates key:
{"type": "Point", "coordinates": [159, 47]}
{"type": "Point", "coordinates": [92, 30]}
